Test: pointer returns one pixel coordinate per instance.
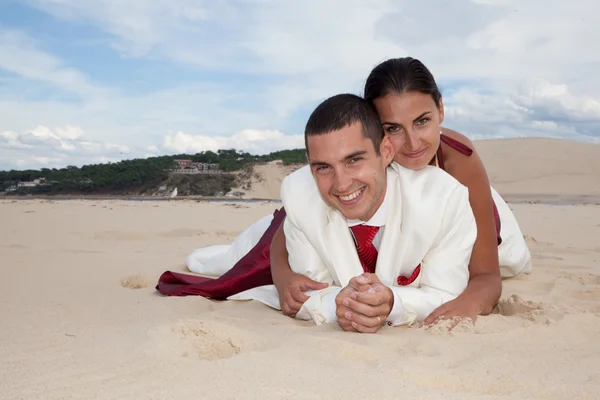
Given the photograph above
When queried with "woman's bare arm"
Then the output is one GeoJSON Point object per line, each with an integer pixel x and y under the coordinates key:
{"type": "Point", "coordinates": [485, 284]}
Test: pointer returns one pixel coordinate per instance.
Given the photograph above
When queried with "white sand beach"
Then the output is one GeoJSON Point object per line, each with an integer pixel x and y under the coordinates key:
{"type": "Point", "coordinates": [81, 319]}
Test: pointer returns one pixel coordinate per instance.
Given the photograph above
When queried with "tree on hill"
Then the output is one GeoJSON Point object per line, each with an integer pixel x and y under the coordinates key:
{"type": "Point", "coordinates": [135, 174]}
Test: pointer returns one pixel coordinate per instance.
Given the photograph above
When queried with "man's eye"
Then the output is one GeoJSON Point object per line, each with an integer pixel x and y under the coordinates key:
{"type": "Point", "coordinates": [355, 159]}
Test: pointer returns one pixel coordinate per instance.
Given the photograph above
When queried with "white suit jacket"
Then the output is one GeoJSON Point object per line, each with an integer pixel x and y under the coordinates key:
{"type": "Point", "coordinates": [429, 222]}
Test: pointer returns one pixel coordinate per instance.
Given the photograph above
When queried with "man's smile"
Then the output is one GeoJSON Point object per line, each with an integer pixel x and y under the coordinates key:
{"type": "Point", "coordinates": [353, 197]}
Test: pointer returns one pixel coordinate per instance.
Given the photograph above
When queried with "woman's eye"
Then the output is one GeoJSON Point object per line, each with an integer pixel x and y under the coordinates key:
{"type": "Point", "coordinates": [393, 129]}
{"type": "Point", "coordinates": [422, 121]}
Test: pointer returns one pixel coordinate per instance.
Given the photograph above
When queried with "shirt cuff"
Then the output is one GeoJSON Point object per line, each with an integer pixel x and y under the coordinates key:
{"type": "Point", "coordinates": [329, 306]}
{"type": "Point", "coordinates": [396, 316]}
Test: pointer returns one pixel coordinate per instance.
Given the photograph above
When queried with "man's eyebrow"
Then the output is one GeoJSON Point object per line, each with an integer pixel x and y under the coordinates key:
{"type": "Point", "coordinates": [318, 164]}
{"type": "Point", "coordinates": [355, 154]}
{"type": "Point", "coordinates": [414, 120]}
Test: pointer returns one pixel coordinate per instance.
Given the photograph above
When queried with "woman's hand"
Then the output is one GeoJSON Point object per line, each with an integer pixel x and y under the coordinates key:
{"type": "Point", "coordinates": [463, 307]}
{"type": "Point", "coordinates": [291, 287]}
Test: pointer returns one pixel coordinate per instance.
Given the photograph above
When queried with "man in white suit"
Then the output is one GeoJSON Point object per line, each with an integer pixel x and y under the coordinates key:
{"type": "Point", "coordinates": [391, 243]}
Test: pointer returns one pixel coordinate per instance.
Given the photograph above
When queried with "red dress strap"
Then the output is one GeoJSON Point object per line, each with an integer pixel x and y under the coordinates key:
{"type": "Point", "coordinates": [456, 145]}
{"type": "Point", "coordinates": [467, 151]}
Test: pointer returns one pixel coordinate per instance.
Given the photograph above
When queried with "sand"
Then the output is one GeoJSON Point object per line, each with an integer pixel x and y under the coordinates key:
{"type": "Point", "coordinates": [522, 169]}
{"type": "Point", "coordinates": [265, 181]}
{"type": "Point", "coordinates": [542, 169]}
{"type": "Point", "coordinates": [81, 319]}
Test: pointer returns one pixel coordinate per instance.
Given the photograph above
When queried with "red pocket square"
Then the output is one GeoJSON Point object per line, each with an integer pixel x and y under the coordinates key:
{"type": "Point", "coordinates": [404, 281]}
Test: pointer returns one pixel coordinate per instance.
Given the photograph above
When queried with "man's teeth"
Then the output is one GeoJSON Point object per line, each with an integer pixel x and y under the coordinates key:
{"type": "Point", "coordinates": [351, 196]}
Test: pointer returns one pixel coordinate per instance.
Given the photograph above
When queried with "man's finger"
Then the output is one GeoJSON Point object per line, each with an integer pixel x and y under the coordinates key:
{"type": "Point", "coordinates": [365, 329]}
{"type": "Point", "coordinates": [366, 309]}
{"type": "Point", "coordinates": [369, 322]}
{"type": "Point", "coordinates": [344, 323]}
{"type": "Point", "coordinates": [367, 279]}
{"type": "Point", "coordinates": [360, 283]}
{"type": "Point", "coordinates": [347, 326]}
{"type": "Point", "coordinates": [372, 299]}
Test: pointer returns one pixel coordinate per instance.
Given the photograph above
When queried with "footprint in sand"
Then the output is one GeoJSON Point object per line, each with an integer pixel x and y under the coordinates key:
{"type": "Point", "coordinates": [453, 325]}
{"type": "Point", "coordinates": [515, 306]}
{"type": "Point", "coordinates": [134, 282]}
{"type": "Point", "coordinates": [547, 257]}
{"type": "Point", "coordinates": [207, 340]}
{"type": "Point", "coordinates": [236, 206]}
{"type": "Point", "coordinates": [182, 233]}
{"type": "Point", "coordinates": [592, 294]}
{"type": "Point", "coordinates": [119, 236]}
{"type": "Point", "coordinates": [530, 240]}
{"type": "Point", "coordinates": [583, 278]}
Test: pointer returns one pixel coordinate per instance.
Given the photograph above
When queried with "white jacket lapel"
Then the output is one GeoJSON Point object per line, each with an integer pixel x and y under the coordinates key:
{"type": "Point", "coordinates": [393, 242]}
{"type": "Point", "coordinates": [344, 263]}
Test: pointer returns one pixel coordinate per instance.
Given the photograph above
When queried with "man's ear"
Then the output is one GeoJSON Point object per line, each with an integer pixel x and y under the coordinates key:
{"type": "Point", "coordinates": [387, 150]}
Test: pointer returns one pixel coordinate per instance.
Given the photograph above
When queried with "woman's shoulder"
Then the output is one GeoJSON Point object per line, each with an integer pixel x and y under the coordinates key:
{"type": "Point", "coordinates": [467, 169]}
{"type": "Point", "coordinates": [457, 141]}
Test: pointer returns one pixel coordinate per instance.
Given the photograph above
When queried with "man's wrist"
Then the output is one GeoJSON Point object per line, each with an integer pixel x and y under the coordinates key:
{"type": "Point", "coordinates": [391, 299]}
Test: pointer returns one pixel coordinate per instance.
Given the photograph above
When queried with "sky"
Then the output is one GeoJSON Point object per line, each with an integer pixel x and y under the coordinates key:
{"type": "Point", "coordinates": [95, 81]}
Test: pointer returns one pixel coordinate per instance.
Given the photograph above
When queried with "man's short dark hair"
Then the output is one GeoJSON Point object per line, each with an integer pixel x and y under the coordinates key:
{"type": "Point", "coordinates": [340, 111]}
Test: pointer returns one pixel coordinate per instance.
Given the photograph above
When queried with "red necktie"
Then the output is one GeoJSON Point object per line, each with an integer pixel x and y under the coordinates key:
{"type": "Point", "coordinates": [367, 253]}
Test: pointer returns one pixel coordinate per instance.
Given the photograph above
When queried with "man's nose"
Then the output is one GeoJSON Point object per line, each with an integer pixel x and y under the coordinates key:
{"type": "Point", "coordinates": [342, 181]}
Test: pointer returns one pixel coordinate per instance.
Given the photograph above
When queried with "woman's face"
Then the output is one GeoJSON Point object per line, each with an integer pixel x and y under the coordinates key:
{"type": "Point", "coordinates": [412, 120]}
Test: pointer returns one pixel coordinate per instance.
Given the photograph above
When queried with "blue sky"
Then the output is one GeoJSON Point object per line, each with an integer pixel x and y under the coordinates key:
{"type": "Point", "coordinates": [88, 81]}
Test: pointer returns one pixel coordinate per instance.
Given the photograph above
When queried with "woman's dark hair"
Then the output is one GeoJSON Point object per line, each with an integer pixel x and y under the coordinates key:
{"type": "Point", "coordinates": [401, 75]}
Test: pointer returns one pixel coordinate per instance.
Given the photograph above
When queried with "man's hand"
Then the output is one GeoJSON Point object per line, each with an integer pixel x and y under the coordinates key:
{"type": "Point", "coordinates": [342, 311]}
{"type": "Point", "coordinates": [291, 287]}
{"type": "Point", "coordinates": [364, 304]}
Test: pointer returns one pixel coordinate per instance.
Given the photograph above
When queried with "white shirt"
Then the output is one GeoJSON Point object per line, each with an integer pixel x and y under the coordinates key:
{"type": "Point", "coordinates": [378, 219]}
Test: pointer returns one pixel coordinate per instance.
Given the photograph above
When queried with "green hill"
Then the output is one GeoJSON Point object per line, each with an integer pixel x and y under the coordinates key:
{"type": "Point", "coordinates": [143, 175]}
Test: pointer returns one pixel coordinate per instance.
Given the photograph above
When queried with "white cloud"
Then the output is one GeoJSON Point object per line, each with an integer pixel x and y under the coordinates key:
{"type": "Point", "coordinates": [506, 67]}
{"type": "Point", "coordinates": [61, 146]}
{"type": "Point", "coordinates": [250, 140]}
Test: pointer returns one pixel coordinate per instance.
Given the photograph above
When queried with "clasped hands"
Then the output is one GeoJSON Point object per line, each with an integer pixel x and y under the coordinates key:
{"type": "Point", "coordinates": [364, 304]}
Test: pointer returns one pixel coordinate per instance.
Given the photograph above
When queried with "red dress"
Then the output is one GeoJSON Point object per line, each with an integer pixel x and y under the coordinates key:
{"type": "Point", "coordinates": [254, 269]}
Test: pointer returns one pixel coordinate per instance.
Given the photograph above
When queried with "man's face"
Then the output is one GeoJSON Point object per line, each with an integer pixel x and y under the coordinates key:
{"type": "Point", "coordinates": [351, 177]}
